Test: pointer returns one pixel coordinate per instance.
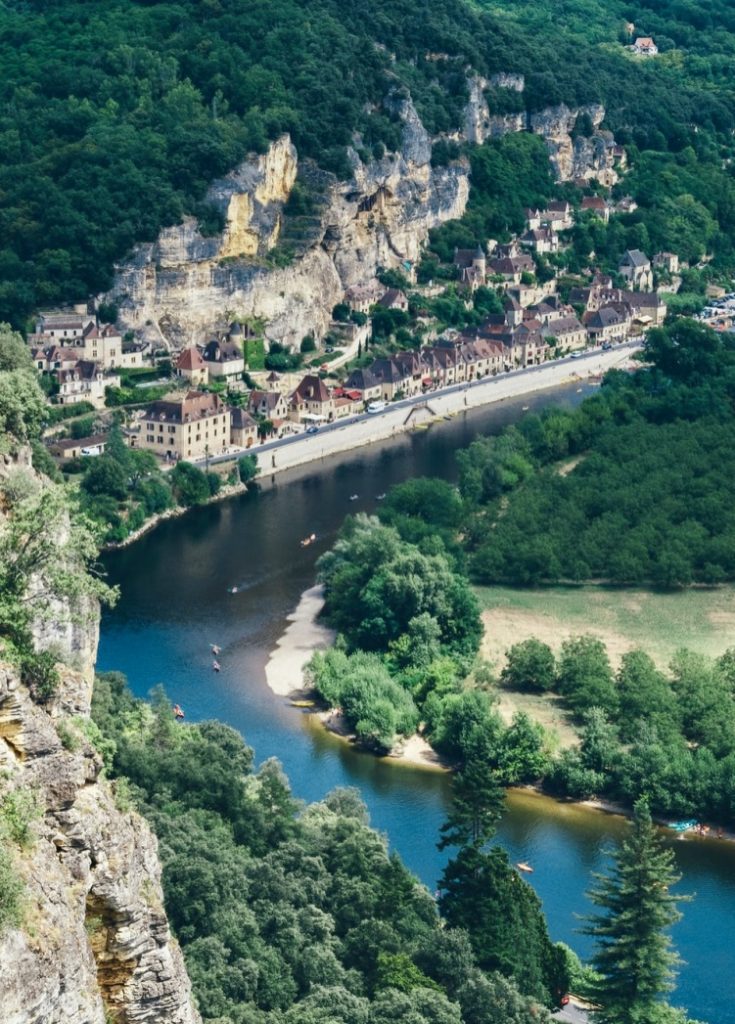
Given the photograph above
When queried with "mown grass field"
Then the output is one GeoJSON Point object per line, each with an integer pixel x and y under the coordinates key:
{"type": "Point", "coordinates": [700, 619]}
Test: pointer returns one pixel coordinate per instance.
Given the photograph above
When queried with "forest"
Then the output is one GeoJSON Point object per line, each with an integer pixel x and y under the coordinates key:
{"type": "Point", "coordinates": [114, 120]}
{"type": "Point", "coordinates": [289, 914]}
{"type": "Point", "coordinates": [636, 486]}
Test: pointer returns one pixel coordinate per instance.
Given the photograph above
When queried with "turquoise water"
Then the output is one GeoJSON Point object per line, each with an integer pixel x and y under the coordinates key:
{"type": "Point", "coordinates": [175, 602]}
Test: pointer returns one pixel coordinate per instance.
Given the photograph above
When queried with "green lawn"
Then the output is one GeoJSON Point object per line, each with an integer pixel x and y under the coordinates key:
{"type": "Point", "coordinates": [702, 619]}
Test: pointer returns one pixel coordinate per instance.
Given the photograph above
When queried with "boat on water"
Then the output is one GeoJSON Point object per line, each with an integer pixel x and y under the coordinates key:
{"type": "Point", "coordinates": [354, 497]}
{"type": "Point", "coordinates": [308, 540]}
{"type": "Point", "coordinates": [525, 408]}
{"type": "Point", "coordinates": [683, 826]}
{"type": "Point", "coordinates": [232, 590]}
{"type": "Point", "coordinates": [216, 665]}
{"type": "Point", "coordinates": [379, 497]}
{"type": "Point", "coordinates": [523, 866]}
{"type": "Point", "coordinates": [177, 710]}
{"type": "Point", "coordinates": [215, 649]}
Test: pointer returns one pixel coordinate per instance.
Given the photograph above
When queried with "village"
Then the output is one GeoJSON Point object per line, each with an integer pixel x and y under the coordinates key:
{"type": "Point", "coordinates": [207, 400]}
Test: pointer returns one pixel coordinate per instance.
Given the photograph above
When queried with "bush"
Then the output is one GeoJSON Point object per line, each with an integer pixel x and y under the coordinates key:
{"type": "Point", "coordinates": [247, 468]}
{"type": "Point", "coordinates": [189, 484]}
{"type": "Point", "coordinates": [40, 675]}
{"type": "Point", "coordinates": [11, 893]}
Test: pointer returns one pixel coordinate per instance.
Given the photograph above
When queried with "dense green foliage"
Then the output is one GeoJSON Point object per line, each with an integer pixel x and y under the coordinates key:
{"type": "Point", "coordinates": [286, 914]}
{"type": "Point", "coordinates": [633, 957]}
{"type": "Point", "coordinates": [47, 548]}
{"type": "Point", "coordinates": [651, 498]}
{"type": "Point", "coordinates": [104, 147]}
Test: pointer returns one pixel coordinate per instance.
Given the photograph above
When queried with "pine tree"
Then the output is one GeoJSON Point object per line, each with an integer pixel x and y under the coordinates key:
{"type": "Point", "coordinates": [634, 955]}
{"type": "Point", "coordinates": [477, 806]}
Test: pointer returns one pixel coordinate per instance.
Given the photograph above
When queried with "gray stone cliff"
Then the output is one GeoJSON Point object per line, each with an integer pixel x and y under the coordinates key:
{"type": "Point", "coordinates": [183, 287]}
{"type": "Point", "coordinates": [93, 945]}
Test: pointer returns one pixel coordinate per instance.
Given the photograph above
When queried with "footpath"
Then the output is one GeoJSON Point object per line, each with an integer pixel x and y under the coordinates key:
{"type": "Point", "coordinates": [421, 410]}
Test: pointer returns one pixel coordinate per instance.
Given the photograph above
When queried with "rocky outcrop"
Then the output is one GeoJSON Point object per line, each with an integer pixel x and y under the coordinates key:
{"type": "Point", "coordinates": [290, 270]}
{"type": "Point", "coordinates": [184, 286]}
{"type": "Point", "coordinates": [573, 155]}
{"type": "Point", "coordinates": [94, 945]}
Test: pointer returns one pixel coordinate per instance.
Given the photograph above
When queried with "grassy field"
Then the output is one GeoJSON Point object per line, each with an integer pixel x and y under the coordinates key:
{"type": "Point", "coordinates": [702, 620]}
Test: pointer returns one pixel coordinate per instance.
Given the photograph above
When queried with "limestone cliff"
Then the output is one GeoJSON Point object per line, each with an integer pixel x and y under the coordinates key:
{"type": "Point", "coordinates": [91, 945]}
{"type": "Point", "coordinates": [572, 156]}
{"type": "Point", "coordinates": [184, 286]}
{"type": "Point", "coordinates": [94, 945]}
{"type": "Point", "coordinates": [290, 271]}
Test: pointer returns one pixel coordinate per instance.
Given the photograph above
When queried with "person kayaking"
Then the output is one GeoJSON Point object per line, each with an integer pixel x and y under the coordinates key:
{"type": "Point", "coordinates": [215, 649]}
{"type": "Point", "coordinates": [232, 590]}
{"type": "Point", "coordinates": [354, 497]}
{"type": "Point", "coordinates": [216, 665]}
{"type": "Point", "coordinates": [178, 713]}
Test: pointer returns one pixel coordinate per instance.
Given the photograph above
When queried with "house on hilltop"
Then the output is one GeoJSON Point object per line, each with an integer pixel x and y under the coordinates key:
{"type": "Point", "coordinates": [192, 367]}
{"type": "Point", "coordinates": [645, 47]}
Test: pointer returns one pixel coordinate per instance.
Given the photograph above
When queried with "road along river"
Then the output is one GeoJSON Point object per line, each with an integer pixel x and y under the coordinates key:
{"type": "Point", "coordinates": [175, 602]}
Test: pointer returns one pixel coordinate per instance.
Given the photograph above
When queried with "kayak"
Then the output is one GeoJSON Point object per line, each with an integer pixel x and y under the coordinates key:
{"type": "Point", "coordinates": [682, 826]}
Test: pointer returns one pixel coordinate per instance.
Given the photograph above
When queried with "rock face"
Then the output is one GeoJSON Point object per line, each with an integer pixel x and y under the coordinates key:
{"type": "Point", "coordinates": [290, 271]}
{"type": "Point", "coordinates": [184, 286]}
{"type": "Point", "coordinates": [94, 946]}
{"type": "Point", "coordinates": [572, 156]}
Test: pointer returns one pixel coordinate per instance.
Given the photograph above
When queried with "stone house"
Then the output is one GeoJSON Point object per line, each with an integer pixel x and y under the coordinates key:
{"type": "Point", "coordinates": [103, 344]}
{"type": "Point", "coordinates": [566, 332]}
{"type": "Point", "coordinates": [635, 267]}
{"type": "Point", "coordinates": [541, 240]}
{"type": "Point", "coordinates": [667, 261]}
{"type": "Point", "coordinates": [365, 382]}
{"type": "Point", "coordinates": [188, 427]}
{"type": "Point", "coordinates": [608, 324]}
{"type": "Point", "coordinates": [192, 367]}
{"type": "Point", "coordinates": [558, 215]}
{"type": "Point", "coordinates": [85, 381]}
{"type": "Point", "coordinates": [74, 448]}
{"type": "Point", "coordinates": [311, 400]}
{"type": "Point", "coordinates": [64, 328]}
{"type": "Point", "coordinates": [596, 205]}
{"type": "Point", "coordinates": [394, 298]}
{"type": "Point", "coordinates": [243, 428]}
{"type": "Point", "coordinates": [472, 264]}
{"type": "Point", "coordinates": [270, 404]}
{"type": "Point", "coordinates": [361, 297]}
{"type": "Point", "coordinates": [645, 47]}
{"type": "Point", "coordinates": [224, 360]}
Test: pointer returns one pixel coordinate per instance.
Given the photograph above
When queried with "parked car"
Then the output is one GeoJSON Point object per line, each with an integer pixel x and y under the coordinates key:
{"type": "Point", "coordinates": [606, 346]}
{"type": "Point", "coordinates": [376, 407]}
{"type": "Point", "coordinates": [313, 429]}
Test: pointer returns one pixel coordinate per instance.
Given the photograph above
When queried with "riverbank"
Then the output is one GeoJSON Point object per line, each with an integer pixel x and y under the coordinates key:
{"type": "Point", "coordinates": [284, 673]}
{"type": "Point", "coordinates": [306, 634]}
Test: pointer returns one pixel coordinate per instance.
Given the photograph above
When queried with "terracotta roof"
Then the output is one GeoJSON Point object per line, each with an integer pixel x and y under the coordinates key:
{"type": "Point", "coordinates": [195, 405]}
{"type": "Point", "coordinates": [190, 359]}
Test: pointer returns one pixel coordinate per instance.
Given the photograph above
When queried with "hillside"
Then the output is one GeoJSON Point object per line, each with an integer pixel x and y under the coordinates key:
{"type": "Point", "coordinates": [114, 120]}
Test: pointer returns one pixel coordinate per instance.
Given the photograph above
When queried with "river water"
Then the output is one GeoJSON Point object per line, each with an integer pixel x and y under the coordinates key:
{"type": "Point", "coordinates": [175, 602]}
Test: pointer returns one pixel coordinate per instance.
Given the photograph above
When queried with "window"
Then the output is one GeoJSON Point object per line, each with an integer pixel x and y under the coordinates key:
{"type": "Point", "coordinates": [160, 440]}
{"type": "Point", "coordinates": [160, 428]}
{"type": "Point", "coordinates": [150, 438]}
{"type": "Point", "coordinates": [172, 430]}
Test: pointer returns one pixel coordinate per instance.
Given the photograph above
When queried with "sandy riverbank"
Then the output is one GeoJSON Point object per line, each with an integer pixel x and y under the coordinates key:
{"type": "Point", "coordinates": [284, 674]}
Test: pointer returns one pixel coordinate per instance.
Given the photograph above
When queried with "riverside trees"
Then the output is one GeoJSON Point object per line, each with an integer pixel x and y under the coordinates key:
{"type": "Point", "coordinates": [633, 955]}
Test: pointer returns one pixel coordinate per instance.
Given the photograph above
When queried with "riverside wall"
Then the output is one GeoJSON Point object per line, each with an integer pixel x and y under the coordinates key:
{"type": "Point", "coordinates": [409, 415]}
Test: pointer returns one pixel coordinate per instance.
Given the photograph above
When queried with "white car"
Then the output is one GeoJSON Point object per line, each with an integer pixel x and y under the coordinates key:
{"type": "Point", "coordinates": [376, 407]}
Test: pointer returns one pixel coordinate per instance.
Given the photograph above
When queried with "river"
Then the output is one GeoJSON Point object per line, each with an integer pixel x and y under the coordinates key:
{"type": "Point", "coordinates": [175, 602]}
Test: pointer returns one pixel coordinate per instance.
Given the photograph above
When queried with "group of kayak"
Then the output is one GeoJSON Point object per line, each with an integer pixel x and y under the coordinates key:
{"type": "Point", "coordinates": [693, 826]}
{"type": "Point", "coordinates": [177, 709]}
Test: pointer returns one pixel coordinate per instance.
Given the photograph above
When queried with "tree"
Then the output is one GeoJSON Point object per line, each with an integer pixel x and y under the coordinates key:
{"type": "Point", "coordinates": [189, 484]}
{"type": "Point", "coordinates": [585, 675]}
{"type": "Point", "coordinates": [530, 666]}
{"type": "Point", "coordinates": [105, 476]}
{"type": "Point", "coordinates": [633, 956]}
{"type": "Point", "coordinates": [247, 468]}
{"type": "Point", "coordinates": [477, 806]}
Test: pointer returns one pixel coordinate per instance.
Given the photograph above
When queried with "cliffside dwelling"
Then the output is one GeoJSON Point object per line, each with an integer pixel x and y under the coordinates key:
{"type": "Point", "coordinates": [394, 298]}
{"type": "Point", "coordinates": [596, 205]}
{"type": "Point", "coordinates": [472, 264]}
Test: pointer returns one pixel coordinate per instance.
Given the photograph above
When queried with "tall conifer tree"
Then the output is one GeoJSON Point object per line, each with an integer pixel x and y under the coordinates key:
{"type": "Point", "coordinates": [634, 955]}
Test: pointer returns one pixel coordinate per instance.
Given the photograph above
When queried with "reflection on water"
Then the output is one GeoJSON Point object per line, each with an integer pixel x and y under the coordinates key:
{"type": "Point", "coordinates": [175, 603]}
